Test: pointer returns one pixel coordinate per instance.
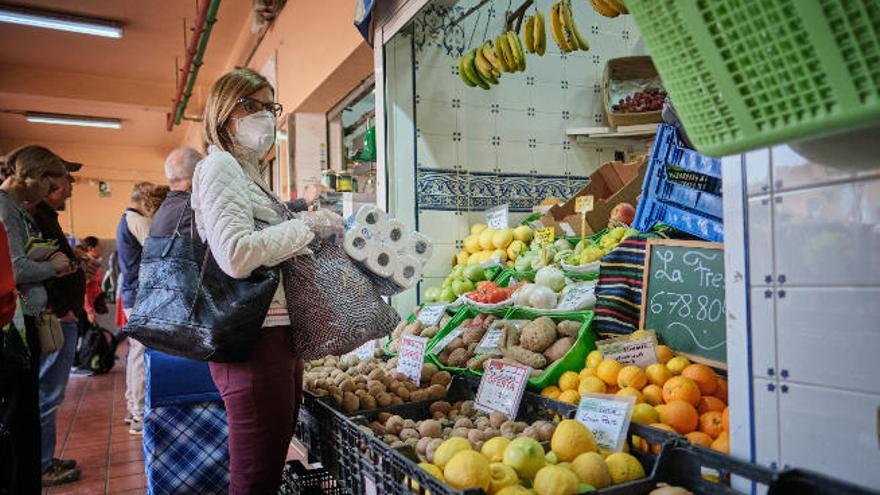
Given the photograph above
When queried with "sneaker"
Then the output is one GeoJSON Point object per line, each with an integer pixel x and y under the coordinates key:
{"type": "Point", "coordinates": [57, 475]}
{"type": "Point", "coordinates": [136, 427]}
{"type": "Point", "coordinates": [128, 418]}
{"type": "Point", "coordinates": [64, 463]}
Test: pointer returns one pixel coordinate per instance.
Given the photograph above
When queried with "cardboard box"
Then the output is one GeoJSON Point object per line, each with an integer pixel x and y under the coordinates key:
{"type": "Point", "coordinates": [613, 183]}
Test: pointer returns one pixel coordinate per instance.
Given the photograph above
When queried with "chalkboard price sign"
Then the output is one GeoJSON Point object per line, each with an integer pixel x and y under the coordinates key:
{"type": "Point", "coordinates": [684, 298]}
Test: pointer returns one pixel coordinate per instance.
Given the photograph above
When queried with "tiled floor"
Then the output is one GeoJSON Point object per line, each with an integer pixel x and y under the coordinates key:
{"type": "Point", "coordinates": [91, 430]}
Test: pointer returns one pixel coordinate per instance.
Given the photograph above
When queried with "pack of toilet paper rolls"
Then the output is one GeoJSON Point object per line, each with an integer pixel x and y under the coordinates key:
{"type": "Point", "coordinates": [393, 255]}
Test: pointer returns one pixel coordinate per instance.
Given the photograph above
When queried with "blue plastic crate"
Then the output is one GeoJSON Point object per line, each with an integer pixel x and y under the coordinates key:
{"type": "Point", "coordinates": [682, 189]}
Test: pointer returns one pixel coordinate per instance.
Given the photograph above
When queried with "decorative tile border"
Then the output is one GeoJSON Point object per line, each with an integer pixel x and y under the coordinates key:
{"type": "Point", "coordinates": [454, 190]}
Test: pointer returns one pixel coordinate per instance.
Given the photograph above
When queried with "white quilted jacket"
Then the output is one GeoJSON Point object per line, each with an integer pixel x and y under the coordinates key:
{"type": "Point", "coordinates": [226, 200]}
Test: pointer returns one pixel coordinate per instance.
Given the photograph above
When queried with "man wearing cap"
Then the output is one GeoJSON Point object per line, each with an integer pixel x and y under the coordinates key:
{"type": "Point", "coordinates": [66, 296]}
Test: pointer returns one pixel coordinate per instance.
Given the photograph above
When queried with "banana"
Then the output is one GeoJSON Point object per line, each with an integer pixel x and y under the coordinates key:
{"type": "Point", "coordinates": [575, 35]}
{"type": "Point", "coordinates": [507, 52]}
{"type": "Point", "coordinates": [484, 68]}
{"type": "Point", "coordinates": [540, 34]}
{"type": "Point", "coordinates": [499, 55]}
{"type": "Point", "coordinates": [489, 55]}
{"type": "Point", "coordinates": [617, 5]}
{"type": "Point", "coordinates": [557, 30]}
{"type": "Point", "coordinates": [529, 34]}
{"type": "Point", "coordinates": [472, 73]}
{"type": "Point", "coordinates": [601, 7]}
{"type": "Point", "coordinates": [520, 52]}
{"type": "Point", "coordinates": [462, 62]}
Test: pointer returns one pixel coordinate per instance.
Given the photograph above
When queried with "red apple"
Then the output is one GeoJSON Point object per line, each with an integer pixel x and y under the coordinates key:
{"type": "Point", "coordinates": [623, 213]}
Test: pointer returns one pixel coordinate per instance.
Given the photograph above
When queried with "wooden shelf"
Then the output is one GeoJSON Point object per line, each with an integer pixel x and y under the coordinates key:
{"type": "Point", "coordinates": [628, 136]}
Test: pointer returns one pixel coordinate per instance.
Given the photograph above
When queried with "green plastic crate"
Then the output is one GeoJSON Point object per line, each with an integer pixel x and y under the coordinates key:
{"type": "Point", "coordinates": [744, 74]}
{"type": "Point", "coordinates": [463, 313]}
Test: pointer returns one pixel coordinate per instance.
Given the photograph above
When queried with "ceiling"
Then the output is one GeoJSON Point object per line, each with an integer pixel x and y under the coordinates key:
{"type": "Point", "coordinates": [132, 78]}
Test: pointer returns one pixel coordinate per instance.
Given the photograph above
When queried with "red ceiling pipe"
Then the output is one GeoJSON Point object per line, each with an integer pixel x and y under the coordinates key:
{"type": "Point", "coordinates": [190, 55]}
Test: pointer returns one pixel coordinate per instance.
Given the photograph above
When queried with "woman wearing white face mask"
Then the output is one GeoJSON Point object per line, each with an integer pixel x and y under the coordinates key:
{"type": "Point", "coordinates": [261, 394]}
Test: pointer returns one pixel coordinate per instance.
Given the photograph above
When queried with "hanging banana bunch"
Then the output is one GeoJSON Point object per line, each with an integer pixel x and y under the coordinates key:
{"type": "Point", "coordinates": [609, 8]}
{"type": "Point", "coordinates": [535, 35]}
{"type": "Point", "coordinates": [563, 28]}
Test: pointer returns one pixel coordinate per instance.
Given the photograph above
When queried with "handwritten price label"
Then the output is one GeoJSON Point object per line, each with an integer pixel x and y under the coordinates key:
{"type": "Point", "coordinates": [431, 314]}
{"type": "Point", "coordinates": [608, 417]}
{"type": "Point", "coordinates": [583, 204]}
{"type": "Point", "coordinates": [497, 218]}
{"type": "Point", "coordinates": [502, 387]}
{"type": "Point", "coordinates": [545, 235]}
{"type": "Point", "coordinates": [639, 352]}
{"type": "Point", "coordinates": [578, 296]}
{"type": "Point", "coordinates": [439, 346]}
{"type": "Point", "coordinates": [365, 351]}
{"type": "Point", "coordinates": [411, 357]}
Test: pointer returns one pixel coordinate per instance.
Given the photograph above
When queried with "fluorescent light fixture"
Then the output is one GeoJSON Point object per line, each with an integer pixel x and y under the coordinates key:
{"type": "Point", "coordinates": [79, 120]}
{"type": "Point", "coordinates": [28, 16]}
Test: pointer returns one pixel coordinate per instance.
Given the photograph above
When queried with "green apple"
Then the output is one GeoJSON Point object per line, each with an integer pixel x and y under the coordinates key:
{"type": "Point", "coordinates": [474, 273]}
{"type": "Point", "coordinates": [461, 286]}
{"type": "Point", "coordinates": [446, 295]}
{"type": "Point", "coordinates": [432, 294]}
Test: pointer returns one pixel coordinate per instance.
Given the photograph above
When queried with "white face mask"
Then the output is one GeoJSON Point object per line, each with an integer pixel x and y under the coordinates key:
{"type": "Point", "coordinates": [256, 131]}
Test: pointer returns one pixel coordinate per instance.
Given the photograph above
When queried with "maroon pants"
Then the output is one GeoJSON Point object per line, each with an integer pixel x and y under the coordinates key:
{"type": "Point", "coordinates": [262, 397]}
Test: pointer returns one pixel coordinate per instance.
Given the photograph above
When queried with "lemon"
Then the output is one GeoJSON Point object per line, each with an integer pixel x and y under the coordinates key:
{"type": "Point", "coordinates": [569, 397]}
{"type": "Point", "coordinates": [514, 490]}
{"type": "Point", "coordinates": [658, 374]}
{"type": "Point", "coordinates": [645, 414]}
{"type": "Point", "coordinates": [591, 469]}
{"type": "Point", "coordinates": [477, 228]}
{"type": "Point", "coordinates": [502, 476]}
{"type": "Point", "coordinates": [571, 439]}
{"type": "Point", "coordinates": [515, 249]}
{"type": "Point", "coordinates": [551, 392]}
{"type": "Point", "coordinates": [462, 258]}
{"type": "Point", "coordinates": [467, 469]}
{"type": "Point", "coordinates": [524, 455]}
{"type": "Point", "coordinates": [593, 359]}
{"type": "Point", "coordinates": [472, 244]}
{"type": "Point", "coordinates": [677, 364]}
{"type": "Point", "coordinates": [591, 385]}
{"type": "Point", "coordinates": [500, 254]}
{"type": "Point", "coordinates": [432, 470]}
{"type": "Point", "coordinates": [569, 381]}
{"type": "Point", "coordinates": [448, 449]}
{"type": "Point", "coordinates": [624, 467]}
{"type": "Point", "coordinates": [502, 238]}
{"type": "Point", "coordinates": [551, 458]}
{"type": "Point", "coordinates": [556, 480]}
{"type": "Point", "coordinates": [493, 449]}
{"type": "Point", "coordinates": [474, 258]}
{"type": "Point", "coordinates": [486, 239]}
{"type": "Point", "coordinates": [523, 233]}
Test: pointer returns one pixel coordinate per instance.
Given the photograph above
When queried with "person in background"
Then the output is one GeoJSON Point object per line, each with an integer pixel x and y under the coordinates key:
{"type": "Point", "coordinates": [310, 196]}
{"type": "Point", "coordinates": [66, 302]}
{"type": "Point", "coordinates": [94, 251]}
{"type": "Point", "coordinates": [27, 180]}
{"type": "Point", "coordinates": [261, 394]}
{"type": "Point", "coordinates": [130, 235]}
{"type": "Point", "coordinates": [179, 167]}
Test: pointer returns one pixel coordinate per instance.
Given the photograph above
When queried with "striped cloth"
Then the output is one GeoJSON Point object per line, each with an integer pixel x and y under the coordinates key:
{"type": "Point", "coordinates": [619, 290]}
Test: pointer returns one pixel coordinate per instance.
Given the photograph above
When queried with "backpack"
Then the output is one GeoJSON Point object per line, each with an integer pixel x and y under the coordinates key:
{"type": "Point", "coordinates": [96, 351]}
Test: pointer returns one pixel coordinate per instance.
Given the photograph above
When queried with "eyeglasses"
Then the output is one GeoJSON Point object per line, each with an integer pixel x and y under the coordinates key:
{"type": "Point", "coordinates": [251, 105]}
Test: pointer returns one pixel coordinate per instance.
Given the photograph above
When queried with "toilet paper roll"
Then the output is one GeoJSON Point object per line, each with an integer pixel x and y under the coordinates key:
{"type": "Point", "coordinates": [407, 271]}
{"type": "Point", "coordinates": [395, 235]}
{"type": "Point", "coordinates": [419, 246]}
{"type": "Point", "coordinates": [380, 260]}
{"type": "Point", "coordinates": [371, 217]}
{"type": "Point", "coordinates": [356, 245]}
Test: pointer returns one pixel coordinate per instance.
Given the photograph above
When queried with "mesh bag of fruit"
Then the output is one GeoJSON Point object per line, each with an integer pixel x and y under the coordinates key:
{"type": "Point", "coordinates": [334, 307]}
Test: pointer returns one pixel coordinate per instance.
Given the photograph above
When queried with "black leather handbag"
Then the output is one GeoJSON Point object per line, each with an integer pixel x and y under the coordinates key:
{"type": "Point", "coordinates": [187, 306]}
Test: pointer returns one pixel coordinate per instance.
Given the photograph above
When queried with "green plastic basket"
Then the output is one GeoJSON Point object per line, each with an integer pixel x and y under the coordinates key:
{"type": "Point", "coordinates": [745, 74]}
{"type": "Point", "coordinates": [386, 347]}
{"type": "Point", "coordinates": [463, 313]}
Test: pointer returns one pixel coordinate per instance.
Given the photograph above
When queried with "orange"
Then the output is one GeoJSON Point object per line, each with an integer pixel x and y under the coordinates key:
{"type": "Point", "coordinates": [586, 372]}
{"type": "Point", "coordinates": [633, 392]}
{"type": "Point", "coordinates": [721, 390]}
{"type": "Point", "coordinates": [655, 448]}
{"type": "Point", "coordinates": [703, 375]}
{"type": "Point", "coordinates": [680, 415]}
{"type": "Point", "coordinates": [710, 424]}
{"type": "Point", "coordinates": [658, 374]}
{"type": "Point", "coordinates": [608, 370]}
{"type": "Point", "coordinates": [569, 381]}
{"type": "Point", "coordinates": [551, 392]}
{"type": "Point", "coordinates": [725, 419]}
{"type": "Point", "coordinates": [569, 397]}
{"type": "Point", "coordinates": [632, 376]}
{"type": "Point", "coordinates": [677, 364]}
{"type": "Point", "coordinates": [664, 353]}
{"type": "Point", "coordinates": [722, 443]}
{"type": "Point", "coordinates": [653, 395]}
{"type": "Point", "coordinates": [699, 438]}
{"type": "Point", "coordinates": [709, 403]}
{"type": "Point", "coordinates": [591, 385]}
{"type": "Point", "coordinates": [681, 388]}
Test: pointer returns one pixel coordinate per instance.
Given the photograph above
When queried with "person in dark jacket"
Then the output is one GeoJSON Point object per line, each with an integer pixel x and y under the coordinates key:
{"type": "Point", "coordinates": [130, 235]}
{"type": "Point", "coordinates": [179, 167]}
{"type": "Point", "coordinates": [65, 300]}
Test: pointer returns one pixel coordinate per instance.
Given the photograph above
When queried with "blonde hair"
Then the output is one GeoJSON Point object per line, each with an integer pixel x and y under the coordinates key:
{"type": "Point", "coordinates": [224, 96]}
{"type": "Point", "coordinates": [153, 199]}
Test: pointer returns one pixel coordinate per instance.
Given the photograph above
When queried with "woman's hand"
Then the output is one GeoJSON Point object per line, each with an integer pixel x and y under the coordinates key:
{"type": "Point", "coordinates": [61, 264]}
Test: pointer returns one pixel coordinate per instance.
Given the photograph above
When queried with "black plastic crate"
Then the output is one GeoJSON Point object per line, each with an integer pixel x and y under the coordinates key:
{"type": "Point", "coordinates": [307, 431]}
{"type": "Point", "coordinates": [803, 482]}
{"type": "Point", "coordinates": [300, 480]}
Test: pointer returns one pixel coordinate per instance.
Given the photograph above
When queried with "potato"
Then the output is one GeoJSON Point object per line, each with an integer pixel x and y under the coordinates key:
{"type": "Point", "coordinates": [428, 370]}
{"type": "Point", "coordinates": [350, 402]}
{"type": "Point", "coordinates": [531, 432]}
{"type": "Point", "coordinates": [468, 408]}
{"type": "Point", "coordinates": [432, 447]}
{"type": "Point", "coordinates": [402, 392]}
{"type": "Point", "coordinates": [396, 400]}
{"type": "Point", "coordinates": [383, 399]}
{"type": "Point", "coordinates": [368, 402]}
{"type": "Point", "coordinates": [545, 431]}
{"type": "Point", "coordinates": [476, 436]}
{"type": "Point", "coordinates": [496, 419]}
{"type": "Point", "coordinates": [407, 433]}
{"type": "Point", "coordinates": [383, 417]}
{"type": "Point", "coordinates": [464, 423]}
{"type": "Point", "coordinates": [441, 378]}
{"type": "Point", "coordinates": [482, 423]}
{"type": "Point", "coordinates": [436, 391]}
{"type": "Point", "coordinates": [440, 405]}
{"type": "Point", "coordinates": [378, 428]}
{"type": "Point", "coordinates": [438, 416]}
{"type": "Point", "coordinates": [430, 428]}
{"type": "Point", "coordinates": [422, 446]}
{"type": "Point", "coordinates": [389, 439]}
{"type": "Point", "coordinates": [408, 423]}
{"type": "Point", "coordinates": [558, 349]}
{"type": "Point", "coordinates": [460, 432]}
{"type": "Point", "coordinates": [394, 425]}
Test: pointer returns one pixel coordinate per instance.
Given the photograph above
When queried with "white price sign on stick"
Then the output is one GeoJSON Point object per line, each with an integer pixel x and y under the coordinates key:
{"type": "Point", "coordinates": [431, 314]}
{"type": "Point", "coordinates": [411, 357]}
{"type": "Point", "coordinates": [502, 387]}
{"type": "Point", "coordinates": [583, 204]}
{"type": "Point", "coordinates": [365, 351]}
{"type": "Point", "coordinates": [442, 343]}
{"type": "Point", "coordinates": [497, 218]}
{"type": "Point", "coordinates": [608, 417]}
{"type": "Point", "coordinates": [639, 352]}
{"type": "Point", "coordinates": [489, 344]}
